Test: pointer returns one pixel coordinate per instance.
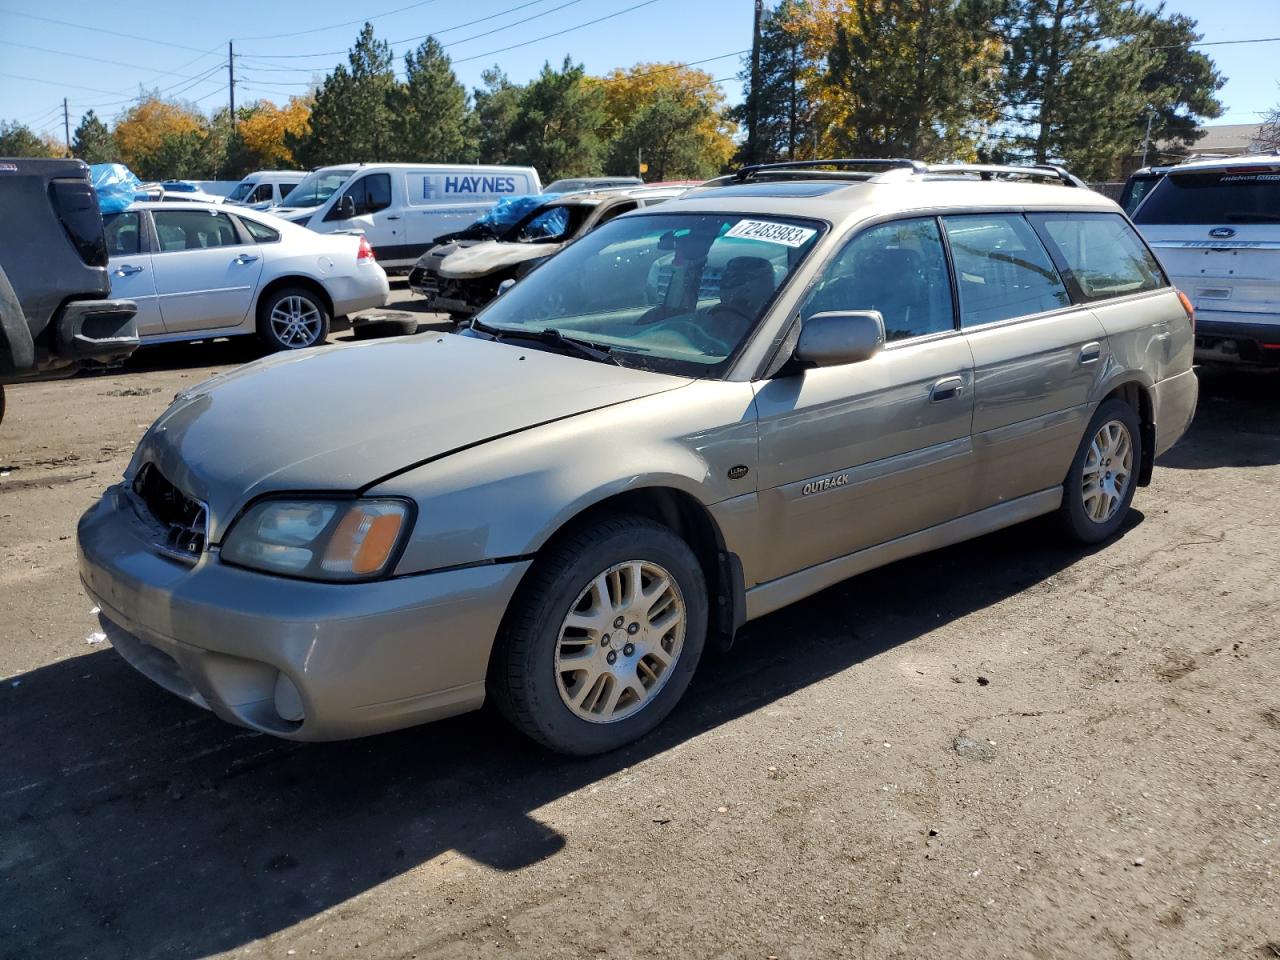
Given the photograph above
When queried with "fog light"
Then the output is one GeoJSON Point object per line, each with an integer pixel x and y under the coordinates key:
{"type": "Point", "coordinates": [288, 700]}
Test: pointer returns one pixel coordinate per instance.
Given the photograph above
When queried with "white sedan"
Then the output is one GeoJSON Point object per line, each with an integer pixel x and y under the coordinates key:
{"type": "Point", "coordinates": [198, 272]}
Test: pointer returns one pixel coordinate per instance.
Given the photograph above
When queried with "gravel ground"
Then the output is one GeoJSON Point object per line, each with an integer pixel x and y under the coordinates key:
{"type": "Point", "coordinates": [1009, 748]}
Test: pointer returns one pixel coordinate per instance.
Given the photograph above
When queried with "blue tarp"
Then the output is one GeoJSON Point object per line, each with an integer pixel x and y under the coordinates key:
{"type": "Point", "coordinates": [115, 184]}
{"type": "Point", "coordinates": [506, 212]}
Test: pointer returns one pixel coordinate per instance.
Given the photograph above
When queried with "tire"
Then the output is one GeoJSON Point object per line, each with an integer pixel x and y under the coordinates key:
{"type": "Point", "coordinates": [293, 305]}
{"type": "Point", "coordinates": [1090, 514]}
{"type": "Point", "coordinates": [527, 678]}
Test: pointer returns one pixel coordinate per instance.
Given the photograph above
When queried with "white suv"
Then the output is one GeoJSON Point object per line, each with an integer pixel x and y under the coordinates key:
{"type": "Point", "coordinates": [1215, 225]}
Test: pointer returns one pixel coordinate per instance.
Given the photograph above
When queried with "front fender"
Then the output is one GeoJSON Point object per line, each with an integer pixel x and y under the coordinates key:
{"type": "Point", "coordinates": [506, 497]}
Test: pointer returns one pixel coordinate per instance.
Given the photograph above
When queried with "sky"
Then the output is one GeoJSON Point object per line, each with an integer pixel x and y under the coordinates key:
{"type": "Point", "coordinates": [100, 55]}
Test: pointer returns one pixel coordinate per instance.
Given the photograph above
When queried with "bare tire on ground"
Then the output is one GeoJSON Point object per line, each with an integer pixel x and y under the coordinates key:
{"type": "Point", "coordinates": [603, 637]}
{"type": "Point", "coordinates": [1100, 484]}
{"type": "Point", "coordinates": [293, 318]}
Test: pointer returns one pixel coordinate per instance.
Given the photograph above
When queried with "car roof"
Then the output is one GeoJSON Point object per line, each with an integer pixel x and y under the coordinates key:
{"type": "Point", "coordinates": [1223, 163]}
{"type": "Point", "coordinates": [601, 194]}
{"type": "Point", "coordinates": [842, 202]}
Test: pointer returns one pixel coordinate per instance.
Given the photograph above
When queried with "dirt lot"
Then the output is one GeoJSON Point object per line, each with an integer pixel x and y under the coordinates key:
{"type": "Point", "coordinates": [1006, 749]}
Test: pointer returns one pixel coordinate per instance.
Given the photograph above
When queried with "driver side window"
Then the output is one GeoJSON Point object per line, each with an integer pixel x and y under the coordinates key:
{"type": "Point", "coordinates": [899, 269]}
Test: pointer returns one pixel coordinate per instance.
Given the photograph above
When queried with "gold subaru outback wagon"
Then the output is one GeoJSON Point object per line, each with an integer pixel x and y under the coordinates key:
{"type": "Point", "coordinates": [688, 418]}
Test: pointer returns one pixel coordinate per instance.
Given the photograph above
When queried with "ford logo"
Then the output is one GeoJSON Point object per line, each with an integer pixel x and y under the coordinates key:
{"type": "Point", "coordinates": [1222, 233]}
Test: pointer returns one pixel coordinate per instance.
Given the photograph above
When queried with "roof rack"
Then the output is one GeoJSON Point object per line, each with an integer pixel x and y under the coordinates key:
{"type": "Point", "coordinates": [995, 171]}
{"type": "Point", "coordinates": [851, 168]}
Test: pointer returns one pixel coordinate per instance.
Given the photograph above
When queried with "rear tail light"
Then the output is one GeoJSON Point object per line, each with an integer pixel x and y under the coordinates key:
{"type": "Point", "coordinates": [366, 251]}
{"type": "Point", "coordinates": [1191, 310]}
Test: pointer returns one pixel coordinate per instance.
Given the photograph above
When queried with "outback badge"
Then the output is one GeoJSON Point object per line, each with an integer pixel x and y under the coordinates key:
{"type": "Point", "coordinates": [826, 483]}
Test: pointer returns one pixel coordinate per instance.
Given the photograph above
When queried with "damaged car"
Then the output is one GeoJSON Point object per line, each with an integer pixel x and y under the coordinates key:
{"type": "Point", "coordinates": [463, 271]}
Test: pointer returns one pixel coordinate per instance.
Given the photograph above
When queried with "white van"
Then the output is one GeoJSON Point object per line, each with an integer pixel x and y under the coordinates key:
{"type": "Point", "coordinates": [265, 188]}
{"type": "Point", "coordinates": [1215, 225]}
{"type": "Point", "coordinates": [402, 207]}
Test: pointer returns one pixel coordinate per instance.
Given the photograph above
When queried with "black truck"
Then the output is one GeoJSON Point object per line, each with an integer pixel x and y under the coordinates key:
{"type": "Point", "coordinates": [56, 311]}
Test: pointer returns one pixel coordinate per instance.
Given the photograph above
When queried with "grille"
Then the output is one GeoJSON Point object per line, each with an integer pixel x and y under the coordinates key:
{"type": "Point", "coordinates": [184, 522]}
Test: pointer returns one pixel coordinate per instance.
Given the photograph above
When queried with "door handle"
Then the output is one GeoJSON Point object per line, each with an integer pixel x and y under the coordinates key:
{"type": "Point", "coordinates": [246, 258]}
{"type": "Point", "coordinates": [393, 218]}
{"type": "Point", "coordinates": [1090, 352]}
{"type": "Point", "coordinates": [948, 388]}
{"type": "Point", "coordinates": [125, 270]}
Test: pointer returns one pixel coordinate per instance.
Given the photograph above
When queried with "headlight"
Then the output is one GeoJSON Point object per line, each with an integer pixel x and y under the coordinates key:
{"type": "Point", "coordinates": [319, 539]}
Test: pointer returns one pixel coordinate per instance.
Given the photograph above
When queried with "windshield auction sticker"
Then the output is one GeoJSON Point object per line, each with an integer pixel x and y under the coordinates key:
{"type": "Point", "coordinates": [769, 232]}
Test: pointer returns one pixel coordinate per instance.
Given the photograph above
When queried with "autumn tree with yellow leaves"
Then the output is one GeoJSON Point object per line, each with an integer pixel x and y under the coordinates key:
{"type": "Point", "coordinates": [159, 139]}
{"type": "Point", "coordinates": [669, 116]}
{"type": "Point", "coordinates": [266, 131]}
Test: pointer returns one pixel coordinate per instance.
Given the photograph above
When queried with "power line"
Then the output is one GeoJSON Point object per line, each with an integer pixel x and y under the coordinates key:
{"type": "Point", "coordinates": [558, 33]}
{"type": "Point", "coordinates": [61, 83]}
{"type": "Point", "coordinates": [439, 33]}
{"type": "Point", "coordinates": [81, 56]}
{"type": "Point", "coordinates": [96, 29]}
{"type": "Point", "coordinates": [335, 26]}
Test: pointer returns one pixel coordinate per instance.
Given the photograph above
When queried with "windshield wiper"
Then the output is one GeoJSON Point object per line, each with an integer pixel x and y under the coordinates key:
{"type": "Point", "coordinates": [551, 336]}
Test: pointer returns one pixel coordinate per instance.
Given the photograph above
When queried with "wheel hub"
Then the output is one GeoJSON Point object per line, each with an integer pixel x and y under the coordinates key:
{"type": "Point", "coordinates": [619, 641]}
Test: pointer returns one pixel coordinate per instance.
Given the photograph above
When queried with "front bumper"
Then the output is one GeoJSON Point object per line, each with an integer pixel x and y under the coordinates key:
{"type": "Point", "coordinates": [1237, 338]}
{"type": "Point", "coordinates": [353, 659]}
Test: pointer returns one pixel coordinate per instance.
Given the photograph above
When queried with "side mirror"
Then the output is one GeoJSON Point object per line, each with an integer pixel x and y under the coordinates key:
{"type": "Point", "coordinates": [505, 285]}
{"type": "Point", "coordinates": [345, 208]}
{"type": "Point", "coordinates": [835, 338]}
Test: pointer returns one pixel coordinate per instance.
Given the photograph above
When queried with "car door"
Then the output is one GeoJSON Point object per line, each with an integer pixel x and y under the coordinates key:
{"type": "Point", "coordinates": [375, 215]}
{"type": "Point", "coordinates": [130, 268]}
{"type": "Point", "coordinates": [855, 455]}
{"type": "Point", "coordinates": [1036, 356]}
{"type": "Point", "coordinates": [206, 272]}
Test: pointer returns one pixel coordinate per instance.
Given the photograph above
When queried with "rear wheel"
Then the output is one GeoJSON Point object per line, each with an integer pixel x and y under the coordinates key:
{"type": "Point", "coordinates": [1103, 476]}
{"type": "Point", "coordinates": [603, 638]}
{"type": "Point", "coordinates": [293, 318]}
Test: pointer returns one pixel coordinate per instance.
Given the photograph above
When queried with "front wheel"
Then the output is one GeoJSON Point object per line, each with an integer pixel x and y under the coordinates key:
{"type": "Point", "coordinates": [1100, 484]}
{"type": "Point", "coordinates": [603, 638]}
{"type": "Point", "coordinates": [293, 318]}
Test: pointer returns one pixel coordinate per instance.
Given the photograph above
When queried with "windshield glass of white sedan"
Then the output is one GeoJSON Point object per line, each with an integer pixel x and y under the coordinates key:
{"type": "Point", "coordinates": [678, 292]}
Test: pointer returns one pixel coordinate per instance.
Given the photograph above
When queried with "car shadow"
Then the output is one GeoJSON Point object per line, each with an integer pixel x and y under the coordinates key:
{"type": "Point", "coordinates": [1237, 423]}
{"type": "Point", "coordinates": [139, 826]}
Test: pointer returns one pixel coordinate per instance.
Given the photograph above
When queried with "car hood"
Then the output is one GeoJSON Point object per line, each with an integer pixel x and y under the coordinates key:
{"type": "Point", "coordinates": [339, 418]}
{"type": "Point", "coordinates": [480, 259]}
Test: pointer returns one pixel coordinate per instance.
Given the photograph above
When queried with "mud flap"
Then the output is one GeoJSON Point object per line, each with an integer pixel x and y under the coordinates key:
{"type": "Point", "coordinates": [731, 600]}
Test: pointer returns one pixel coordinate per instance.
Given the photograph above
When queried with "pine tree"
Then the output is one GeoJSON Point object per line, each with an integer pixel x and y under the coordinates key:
{"type": "Point", "coordinates": [352, 117]}
{"type": "Point", "coordinates": [17, 140]}
{"type": "Point", "coordinates": [92, 141]}
{"type": "Point", "coordinates": [784, 105]}
{"type": "Point", "coordinates": [1181, 83]}
{"type": "Point", "coordinates": [497, 104]}
{"type": "Point", "coordinates": [920, 78]}
{"type": "Point", "coordinates": [431, 122]}
{"type": "Point", "coordinates": [1073, 82]}
{"type": "Point", "coordinates": [557, 127]}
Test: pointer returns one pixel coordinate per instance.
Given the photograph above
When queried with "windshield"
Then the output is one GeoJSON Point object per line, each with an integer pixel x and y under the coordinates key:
{"type": "Point", "coordinates": [318, 187]}
{"type": "Point", "coordinates": [1222, 196]}
{"type": "Point", "coordinates": [677, 293]}
{"type": "Point", "coordinates": [242, 190]}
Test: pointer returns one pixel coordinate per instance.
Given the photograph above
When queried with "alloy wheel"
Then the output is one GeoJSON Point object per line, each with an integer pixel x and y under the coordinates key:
{"type": "Point", "coordinates": [296, 322]}
{"type": "Point", "coordinates": [1108, 470]}
{"type": "Point", "coordinates": [620, 640]}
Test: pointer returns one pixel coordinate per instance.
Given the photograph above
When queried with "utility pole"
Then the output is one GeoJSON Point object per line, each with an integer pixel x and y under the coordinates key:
{"type": "Point", "coordinates": [1146, 141]}
{"type": "Point", "coordinates": [231, 73]}
{"type": "Point", "coordinates": [753, 114]}
{"type": "Point", "coordinates": [66, 124]}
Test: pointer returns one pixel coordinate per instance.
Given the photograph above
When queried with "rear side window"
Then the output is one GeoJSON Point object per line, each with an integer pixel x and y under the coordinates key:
{"type": "Point", "coordinates": [76, 205]}
{"type": "Point", "coordinates": [1219, 197]}
{"type": "Point", "coordinates": [124, 234]}
{"type": "Point", "coordinates": [260, 232]}
{"type": "Point", "coordinates": [899, 269]}
{"type": "Point", "coordinates": [193, 230]}
{"type": "Point", "coordinates": [286, 189]}
{"type": "Point", "coordinates": [1135, 191]}
{"type": "Point", "coordinates": [1002, 269]}
{"type": "Point", "coordinates": [1102, 253]}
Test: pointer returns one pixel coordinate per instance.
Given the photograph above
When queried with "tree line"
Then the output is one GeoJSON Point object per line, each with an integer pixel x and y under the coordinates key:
{"type": "Point", "coordinates": [1068, 81]}
{"type": "Point", "coordinates": [1078, 82]}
